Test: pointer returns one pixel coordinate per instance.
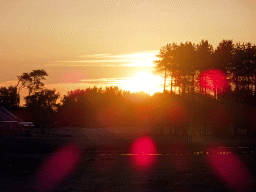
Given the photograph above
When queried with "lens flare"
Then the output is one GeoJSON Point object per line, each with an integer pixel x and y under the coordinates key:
{"type": "Point", "coordinates": [214, 80]}
{"type": "Point", "coordinates": [56, 168]}
{"type": "Point", "coordinates": [229, 168]}
{"type": "Point", "coordinates": [143, 153]}
{"type": "Point", "coordinates": [73, 76]}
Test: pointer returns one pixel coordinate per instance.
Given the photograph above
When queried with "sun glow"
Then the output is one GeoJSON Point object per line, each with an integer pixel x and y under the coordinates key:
{"type": "Point", "coordinates": [146, 82]}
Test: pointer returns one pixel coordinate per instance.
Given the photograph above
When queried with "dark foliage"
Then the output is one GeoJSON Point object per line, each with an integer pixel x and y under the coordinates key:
{"type": "Point", "coordinates": [9, 97]}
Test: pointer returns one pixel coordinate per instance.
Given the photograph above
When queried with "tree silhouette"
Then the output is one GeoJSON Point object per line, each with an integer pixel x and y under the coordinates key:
{"type": "Point", "coordinates": [204, 61]}
{"type": "Point", "coordinates": [185, 62]}
{"type": "Point", "coordinates": [230, 69]}
{"type": "Point", "coordinates": [45, 99]}
{"type": "Point", "coordinates": [166, 64]}
{"type": "Point", "coordinates": [177, 61]}
{"type": "Point", "coordinates": [32, 81]}
{"type": "Point", "coordinates": [44, 105]}
{"type": "Point", "coordinates": [37, 77]}
{"type": "Point", "coordinates": [9, 97]}
{"type": "Point", "coordinates": [244, 67]}
{"type": "Point", "coordinates": [186, 65]}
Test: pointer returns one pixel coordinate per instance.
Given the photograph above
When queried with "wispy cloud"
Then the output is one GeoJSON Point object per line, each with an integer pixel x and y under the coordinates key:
{"type": "Point", "coordinates": [96, 55]}
{"type": "Point", "coordinates": [107, 81]}
{"type": "Point", "coordinates": [8, 83]}
{"type": "Point", "coordinates": [145, 58]}
{"type": "Point", "coordinates": [144, 54]}
{"type": "Point", "coordinates": [99, 61]}
{"type": "Point", "coordinates": [63, 88]}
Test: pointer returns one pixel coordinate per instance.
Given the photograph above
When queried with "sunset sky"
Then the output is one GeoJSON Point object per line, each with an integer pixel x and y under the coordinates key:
{"type": "Point", "coordinates": [107, 42]}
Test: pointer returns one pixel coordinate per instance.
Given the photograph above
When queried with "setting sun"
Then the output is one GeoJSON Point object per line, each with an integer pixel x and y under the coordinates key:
{"type": "Point", "coordinates": [146, 82]}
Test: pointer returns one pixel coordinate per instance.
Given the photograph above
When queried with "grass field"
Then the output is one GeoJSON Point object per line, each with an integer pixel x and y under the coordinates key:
{"type": "Point", "coordinates": [99, 160]}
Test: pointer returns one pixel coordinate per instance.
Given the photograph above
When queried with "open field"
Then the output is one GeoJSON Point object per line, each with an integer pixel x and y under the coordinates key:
{"type": "Point", "coordinates": [114, 173]}
{"type": "Point", "coordinates": [101, 162]}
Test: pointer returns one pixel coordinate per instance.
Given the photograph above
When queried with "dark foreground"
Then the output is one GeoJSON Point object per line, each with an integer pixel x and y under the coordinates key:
{"type": "Point", "coordinates": [67, 164]}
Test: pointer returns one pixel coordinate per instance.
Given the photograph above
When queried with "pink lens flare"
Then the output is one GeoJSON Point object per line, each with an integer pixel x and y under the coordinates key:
{"type": "Point", "coordinates": [57, 167]}
{"type": "Point", "coordinates": [73, 76]}
{"type": "Point", "coordinates": [214, 80]}
{"type": "Point", "coordinates": [143, 153]}
{"type": "Point", "coordinates": [228, 168]}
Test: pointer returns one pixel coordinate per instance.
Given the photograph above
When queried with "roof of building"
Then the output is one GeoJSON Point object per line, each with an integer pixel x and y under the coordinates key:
{"type": "Point", "coordinates": [7, 116]}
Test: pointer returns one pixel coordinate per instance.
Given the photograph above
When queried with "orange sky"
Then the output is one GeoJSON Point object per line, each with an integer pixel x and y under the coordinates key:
{"type": "Point", "coordinates": [94, 39]}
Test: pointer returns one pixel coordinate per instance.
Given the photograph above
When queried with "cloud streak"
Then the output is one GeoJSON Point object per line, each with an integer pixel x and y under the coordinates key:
{"type": "Point", "coordinates": [145, 58]}
{"type": "Point", "coordinates": [63, 88]}
{"type": "Point", "coordinates": [108, 81]}
{"type": "Point", "coordinates": [8, 83]}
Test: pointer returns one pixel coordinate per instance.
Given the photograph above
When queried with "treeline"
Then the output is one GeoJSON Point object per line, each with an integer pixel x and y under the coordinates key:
{"type": "Point", "coordinates": [97, 107]}
{"type": "Point", "coordinates": [113, 107]}
{"type": "Point", "coordinates": [40, 103]}
{"type": "Point", "coordinates": [181, 114]}
{"type": "Point", "coordinates": [208, 89]}
{"type": "Point", "coordinates": [185, 63]}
